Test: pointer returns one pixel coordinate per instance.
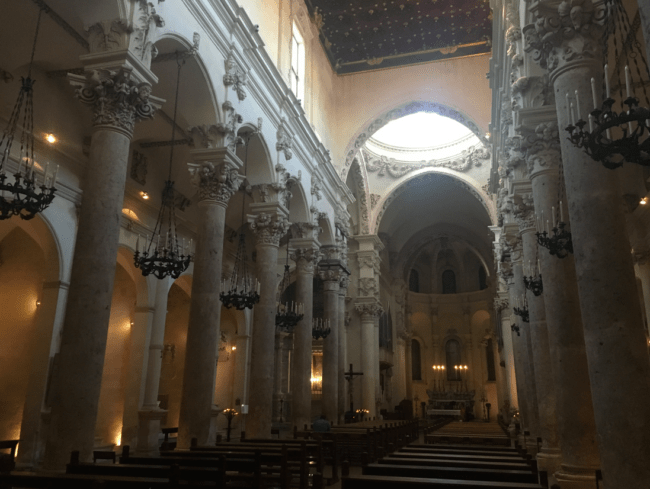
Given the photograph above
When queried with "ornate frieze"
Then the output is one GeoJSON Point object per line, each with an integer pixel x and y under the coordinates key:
{"type": "Point", "coordinates": [330, 275]}
{"type": "Point", "coordinates": [306, 259]}
{"type": "Point", "coordinates": [543, 148]}
{"type": "Point", "coordinates": [116, 99]}
{"type": "Point", "coordinates": [571, 33]}
{"type": "Point", "coordinates": [472, 157]}
{"type": "Point", "coordinates": [330, 252]}
{"type": "Point", "coordinates": [216, 183]}
{"type": "Point", "coordinates": [235, 76]}
{"type": "Point", "coordinates": [284, 141]}
{"type": "Point", "coordinates": [269, 227]}
{"type": "Point", "coordinates": [369, 260]}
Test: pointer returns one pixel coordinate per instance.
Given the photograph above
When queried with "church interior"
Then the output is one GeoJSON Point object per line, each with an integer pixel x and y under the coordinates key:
{"type": "Point", "coordinates": [224, 219]}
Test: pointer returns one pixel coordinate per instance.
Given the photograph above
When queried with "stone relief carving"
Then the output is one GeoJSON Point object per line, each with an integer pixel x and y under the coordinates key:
{"type": "Point", "coordinates": [500, 303]}
{"type": "Point", "coordinates": [235, 76]}
{"type": "Point", "coordinates": [475, 156]}
{"type": "Point", "coordinates": [573, 32]}
{"type": "Point", "coordinates": [369, 309]}
{"type": "Point", "coordinates": [269, 228]}
{"type": "Point", "coordinates": [284, 140]}
{"type": "Point", "coordinates": [364, 215]}
{"type": "Point", "coordinates": [524, 211]}
{"type": "Point", "coordinates": [116, 99]}
{"type": "Point", "coordinates": [543, 147]}
{"type": "Point", "coordinates": [306, 259]}
{"type": "Point", "coordinates": [531, 92]}
{"type": "Point", "coordinates": [316, 186]}
{"type": "Point", "coordinates": [374, 200]}
{"type": "Point", "coordinates": [305, 230]}
{"type": "Point", "coordinates": [330, 275]}
{"type": "Point", "coordinates": [214, 182]}
{"type": "Point", "coordinates": [410, 108]}
{"type": "Point", "coordinates": [368, 287]}
{"type": "Point", "coordinates": [139, 164]}
{"type": "Point", "coordinates": [228, 128]}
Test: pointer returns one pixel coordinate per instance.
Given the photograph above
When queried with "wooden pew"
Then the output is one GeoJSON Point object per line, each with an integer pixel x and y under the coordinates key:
{"type": "Point", "coordinates": [444, 462]}
{"type": "Point", "coordinates": [166, 444]}
{"type": "Point", "coordinates": [455, 473]}
{"type": "Point", "coordinates": [393, 482]}
{"type": "Point", "coordinates": [81, 481]}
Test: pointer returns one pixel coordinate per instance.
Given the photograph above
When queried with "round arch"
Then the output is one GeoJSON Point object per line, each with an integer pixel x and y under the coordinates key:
{"type": "Point", "coordinates": [400, 111]}
{"type": "Point", "coordinates": [259, 167]}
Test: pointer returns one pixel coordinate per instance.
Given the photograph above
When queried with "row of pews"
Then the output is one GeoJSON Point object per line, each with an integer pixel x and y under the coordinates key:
{"type": "Point", "coordinates": [455, 456]}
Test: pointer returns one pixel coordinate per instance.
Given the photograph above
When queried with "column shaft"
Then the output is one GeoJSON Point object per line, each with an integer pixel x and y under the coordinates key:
{"type": "Point", "coordinates": [343, 348]}
{"type": "Point", "coordinates": [367, 363]}
{"type": "Point", "coordinates": [331, 351]}
{"type": "Point", "coordinates": [203, 331]}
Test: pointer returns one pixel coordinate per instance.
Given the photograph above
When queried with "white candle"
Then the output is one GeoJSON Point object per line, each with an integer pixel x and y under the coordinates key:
{"type": "Point", "coordinates": [606, 81]}
{"type": "Point", "coordinates": [20, 163]}
{"type": "Point", "coordinates": [56, 172]}
{"type": "Point", "coordinates": [568, 108]}
{"type": "Point", "coordinates": [561, 212]}
{"type": "Point", "coordinates": [190, 246]}
{"type": "Point", "coordinates": [547, 227]}
{"type": "Point", "coordinates": [553, 215]}
{"type": "Point", "coordinates": [593, 93]}
{"type": "Point", "coordinates": [627, 82]}
{"type": "Point", "coordinates": [591, 123]}
{"type": "Point", "coordinates": [47, 167]}
{"type": "Point", "coordinates": [578, 105]}
{"type": "Point", "coordinates": [539, 267]}
{"type": "Point", "coordinates": [573, 117]}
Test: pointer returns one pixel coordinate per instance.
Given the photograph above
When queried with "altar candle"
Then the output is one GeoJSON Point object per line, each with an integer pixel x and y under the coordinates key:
{"type": "Point", "coordinates": [593, 93]}
{"type": "Point", "coordinates": [606, 81]}
{"type": "Point", "coordinates": [548, 231]}
{"type": "Point", "coordinates": [627, 82]}
{"type": "Point", "coordinates": [47, 167]}
{"type": "Point", "coordinates": [578, 105]}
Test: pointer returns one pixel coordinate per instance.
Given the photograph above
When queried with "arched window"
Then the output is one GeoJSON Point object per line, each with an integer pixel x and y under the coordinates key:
{"type": "Point", "coordinates": [414, 281]}
{"type": "Point", "coordinates": [452, 352]}
{"type": "Point", "coordinates": [489, 354]}
{"type": "Point", "coordinates": [416, 364]}
{"type": "Point", "coordinates": [448, 282]}
{"type": "Point", "coordinates": [482, 278]}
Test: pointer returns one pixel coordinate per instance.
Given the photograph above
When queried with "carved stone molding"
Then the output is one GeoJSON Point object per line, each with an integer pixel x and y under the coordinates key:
{"type": "Point", "coordinates": [570, 33]}
{"type": "Point", "coordinates": [374, 200]}
{"type": "Point", "coordinates": [500, 303]}
{"type": "Point", "coordinates": [342, 220]}
{"type": "Point", "coordinates": [372, 309]}
{"type": "Point", "coordinates": [306, 259]}
{"type": "Point", "coordinates": [368, 260]}
{"type": "Point", "coordinates": [269, 227]}
{"type": "Point", "coordinates": [368, 287]}
{"type": "Point", "coordinates": [543, 148]}
{"type": "Point", "coordinates": [284, 141]}
{"type": "Point", "coordinates": [216, 183]}
{"type": "Point", "coordinates": [530, 92]}
{"type": "Point", "coordinates": [316, 186]}
{"type": "Point", "coordinates": [116, 99]}
{"type": "Point", "coordinates": [235, 76]}
{"type": "Point", "coordinates": [472, 157]}
{"type": "Point", "coordinates": [344, 282]}
{"type": "Point", "coordinates": [304, 230]}
{"type": "Point", "coordinates": [330, 275]}
{"type": "Point", "coordinates": [230, 126]}
{"type": "Point", "coordinates": [524, 211]}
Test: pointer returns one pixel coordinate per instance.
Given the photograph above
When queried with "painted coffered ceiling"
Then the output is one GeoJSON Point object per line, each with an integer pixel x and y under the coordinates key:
{"type": "Point", "coordinates": [362, 35]}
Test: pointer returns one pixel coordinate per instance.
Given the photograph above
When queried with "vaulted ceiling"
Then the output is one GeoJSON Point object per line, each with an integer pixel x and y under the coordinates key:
{"type": "Point", "coordinates": [361, 35]}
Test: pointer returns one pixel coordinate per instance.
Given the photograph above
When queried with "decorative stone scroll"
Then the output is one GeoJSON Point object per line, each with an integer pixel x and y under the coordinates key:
{"type": "Point", "coordinates": [269, 228]}
{"type": "Point", "coordinates": [230, 126]}
{"type": "Point", "coordinates": [284, 142]}
{"type": "Point", "coordinates": [235, 76]}
{"type": "Point", "coordinates": [316, 186]}
{"type": "Point", "coordinates": [117, 100]}
{"type": "Point", "coordinates": [217, 183]}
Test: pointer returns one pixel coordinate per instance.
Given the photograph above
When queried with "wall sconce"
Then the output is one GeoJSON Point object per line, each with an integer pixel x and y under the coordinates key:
{"type": "Point", "coordinates": [38, 303]}
{"type": "Point", "coordinates": [233, 348]}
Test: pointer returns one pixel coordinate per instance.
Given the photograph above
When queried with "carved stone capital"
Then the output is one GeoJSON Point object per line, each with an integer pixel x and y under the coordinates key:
{"type": "Point", "coordinates": [269, 227]}
{"type": "Point", "coordinates": [369, 309]}
{"type": "Point", "coordinates": [220, 135]}
{"type": "Point", "coordinates": [330, 275]}
{"type": "Point", "coordinates": [542, 148]}
{"type": "Point", "coordinates": [330, 252]}
{"type": "Point", "coordinates": [306, 259]}
{"type": "Point", "coordinates": [215, 182]}
{"type": "Point", "coordinates": [117, 100]}
{"type": "Point", "coordinates": [530, 92]}
{"type": "Point", "coordinates": [344, 282]}
{"type": "Point", "coordinates": [305, 230]}
{"type": "Point", "coordinates": [569, 34]}
{"type": "Point", "coordinates": [524, 211]}
{"type": "Point", "coordinates": [500, 303]}
{"type": "Point", "coordinates": [284, 140]}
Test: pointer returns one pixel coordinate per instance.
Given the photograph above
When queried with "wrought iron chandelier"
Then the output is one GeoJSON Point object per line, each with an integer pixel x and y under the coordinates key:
{"type": "Point", "coordinates": [533, 281]}
{"type": "Point", "coordinates": [559, 243]}
{"type": "Point", "coordinates": [320, 328]}
{"type": "Point", "coordinates": [521, 309]}
{"type": "Point", "coordinates": [288, 314]}
{"type": "Point", "coordinates": [24, 197]}
{"type": "Point", "coordinates": [241, 292]}
{"type": "Point", "coordinates": [170, 259]}
{"type": "Point", "coordinates": [614, 138]}
{"type": "Point", "coordinates": [515, 328]}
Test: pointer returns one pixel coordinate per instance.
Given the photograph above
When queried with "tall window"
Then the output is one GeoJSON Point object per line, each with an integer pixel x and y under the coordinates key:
{"type": "Point", "coordinates": [414, 281]}
{"type": "Point", "coordinates": [452, 353]}
{"type": "Point", "coordinates": [416, 364]}
{"type": "Point", "coordinates": [448, 282]}
{"type": "Point", "coordinates": [297, 64]}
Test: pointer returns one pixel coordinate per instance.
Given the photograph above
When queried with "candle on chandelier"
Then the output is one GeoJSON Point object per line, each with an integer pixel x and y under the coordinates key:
{"type": "Point", "coordinates": [568, 108]}
{"type": "Point", "coordinates": [593, 93]}
{"type": "Point", "coordinates": [628, 91]}
{"type": "Point", "coordinates": [56, 172]}
{"type": "Point", "coordinates": [561, 212]}
{"type": "Point", "coordinates": [539, 267]}
{"type": "Point", "coordinates": [573, 117]}
{"type": "Point", "coordinates": [548, 230]}
{"type": "Point", "coordinates": [553, 216]}
{"type": "Point", "coordinates": [47, 167]}
{"type": "Point", "coordinates": [578, 105]}
{"type": "Point", "coordinates": [606, 81]}
{"type": "Point", "coordinates": [591, 123]}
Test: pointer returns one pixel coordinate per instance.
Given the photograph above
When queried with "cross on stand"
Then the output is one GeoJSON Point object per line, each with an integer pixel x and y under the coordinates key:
{"type": "Point", "coordinates": [349, 376]}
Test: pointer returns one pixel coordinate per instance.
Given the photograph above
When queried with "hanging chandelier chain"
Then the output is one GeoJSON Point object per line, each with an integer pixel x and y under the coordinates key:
{"type": "Point", "coordinates": [180, 62]}
{"type": "Point", "coordinates": [31, 59]}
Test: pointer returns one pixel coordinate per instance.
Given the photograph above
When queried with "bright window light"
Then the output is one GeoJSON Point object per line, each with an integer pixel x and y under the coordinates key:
{"type": "Point", "coordinates": [421, 130]}
{"type": "Point", "coordinates": [297, 74]}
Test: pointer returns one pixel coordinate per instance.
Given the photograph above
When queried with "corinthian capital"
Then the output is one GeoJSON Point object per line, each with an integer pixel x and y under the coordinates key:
{"type": "Point", "coordinates": [306, 259]}
{"type": "Point", "coordinates": [372, 309]}
{"type": "Point", "coordinates": [572, 32]}
{"type": "Point", "coordinates": [269, 227]}
{"type": "Point", "coordinates": [117, 100]}
{"type": "Point", "coordinates": [216, 183]}
{"type": "Point", "coordinates": [330, 275]}
{"type": "Point", "coordinates": [543, 148]}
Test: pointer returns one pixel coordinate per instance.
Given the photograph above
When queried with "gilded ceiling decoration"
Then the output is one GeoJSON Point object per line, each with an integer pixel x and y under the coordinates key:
{"type": "Point", "coordinates": [365, 35]}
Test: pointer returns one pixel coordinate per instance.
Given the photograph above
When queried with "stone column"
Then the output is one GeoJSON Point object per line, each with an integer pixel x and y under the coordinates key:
{"type": "Point", "coordinates": [406, 335]}
{"type": "Point", "coordinates": [343, 349]}
{"type": "Point", "coordinates": [306, 255]}
{"type": "Point", "coordinates": [549, 457]}
{"type": "Point", "coordinates": [574, 408]}
{"type": "Point", "coordinates": [118, 97]}
{"type": "Point", "coordinates": [369, 311]}
{"type": "Point", "coordinates": [615, 339]}
{"type": "Point", "coordinates": [215, 176]}
{"type": "Point", "coordinates": [269, 222]}
{"type": "Point", "coordinates": [279, 366]}
{"type": "Point", "coordinates": [331, 277]}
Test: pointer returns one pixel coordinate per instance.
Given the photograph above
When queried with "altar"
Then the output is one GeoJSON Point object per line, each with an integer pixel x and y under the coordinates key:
{"type": "Point", "coordinates": [451, 402]}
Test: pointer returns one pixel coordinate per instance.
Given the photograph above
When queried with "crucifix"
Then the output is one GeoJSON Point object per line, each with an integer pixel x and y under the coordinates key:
{"type": "Point", "coordinates": [349, 376]}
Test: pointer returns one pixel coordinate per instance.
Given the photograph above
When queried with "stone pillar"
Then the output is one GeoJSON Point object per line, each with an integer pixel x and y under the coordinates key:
{"type": "Point", "coordinates": [343, 349]}
{"type": "Point", "coordinates": [279, 366]}
{"type": "Point", "coordinates": [574, 408]}
{"type": "Point", "coordinates": [305, 253]}
{"type": "Point", "coordinates": [331, 277]}
{"type": "Point", "coordinates": [269, 222]}
{"type": "Point", "coordinates": [369, 311]}
{"type": "Point", "coordinates": [615, 339]}
{"type": "Point", "coordinates": [118, 98]}
{"type": "Point", "coordinates": [549, 457]}
{"type": "Point", "coordinates": [215, 176]}
{"type": "Point", "coordinates": [408, 358]}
